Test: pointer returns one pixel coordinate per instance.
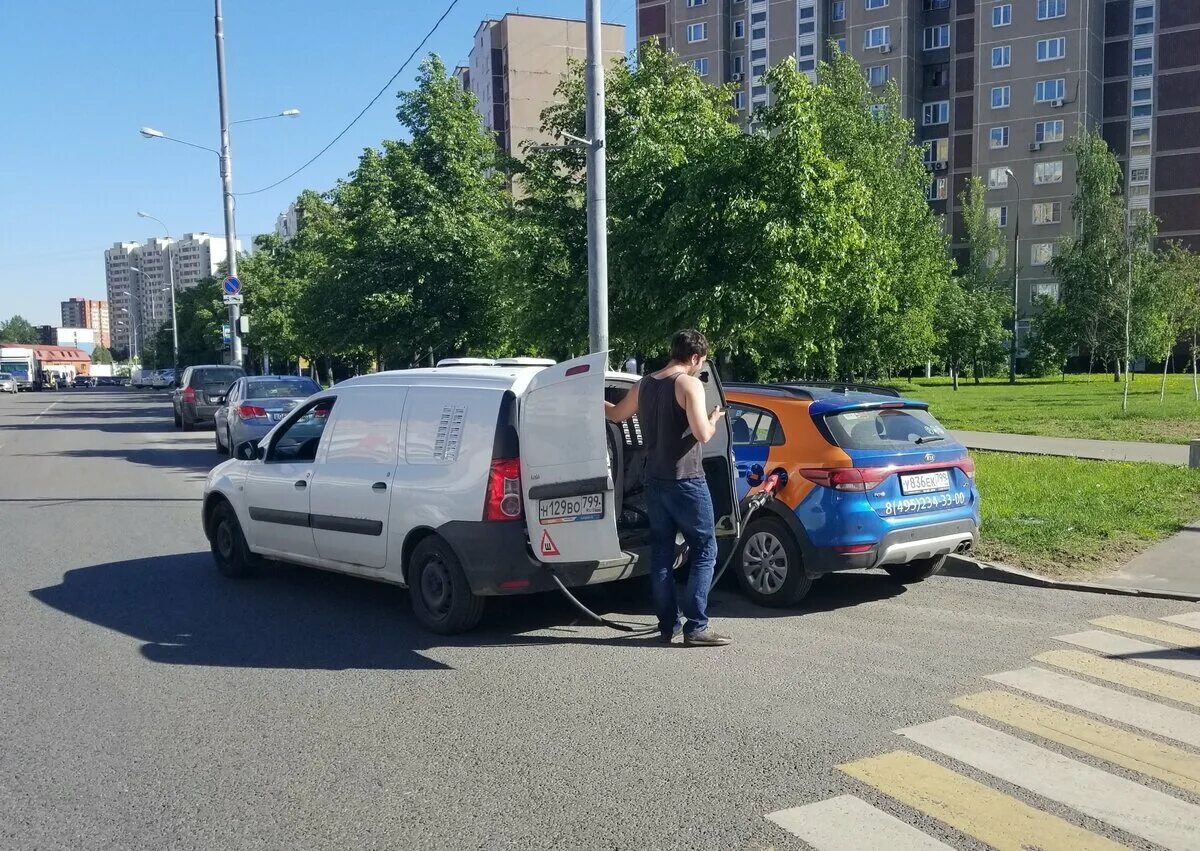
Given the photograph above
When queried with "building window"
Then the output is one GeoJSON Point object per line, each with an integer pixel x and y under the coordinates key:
{"type": "Point", "coordinates": [938, 151]}
{"type": "Point", "coordinates": [807, 13]}
{"type": "Point", "coordinates": [1142, 191]}
{"type": "Point", "coordinates": [1001, 96]}
{"type": "Point", "coordinates": [937, 189]}
{"type": "Point", "coordinates": [998, 216]}
{"type": "Point", "coordinates": [1143, 29]}
{"type": "Point", "coordinates": [1047, 213]}
{"type": "Point", "coordinates": [758, 71]}
{"type": "Point", "coordinates": [931, 5]}
{"type": "Point", "coordinates": [1040, 253]}
{"type": "Point", "coordinates": [1047, 91]}
{"type": "Point", "coordinates": [739, 100]}
{"type": "Point", "coordinates": [837, 10]}
{"type": "Point", "coordinates": [876, 4]}
{"type": "Point", "coordinates": [697, 3]}
{"type": "Point", "coordinates": [1049, 49]}
{"type": "Point", "coordinates": [701, 66]}
{"type": "Point", "coordinates": [808, 65]}
{"type": "Point", "coordinates": [1140, 151]}
{"type": "Point", "coordinates": [1002, 15]}
{"type": "Point", "coordinates": [1144, 111]}
{"type": "Point", "coordinates": [697, 32]}
{"type": "Point", "coordinates": [1143, 13]}
{"type": "Point", "coordinates": [1001, 56]}
{"type": "Point", "coordinates": [739, 28]}
{"type": "Point", "coordinates": [877, 75]}
{"type": "Point", "coordinates": [807, 49]}
{"type": "Point", "coordinates": [1141, 95]}
{"type": "Point", "coordinates": [806, 28]}
{"type": "Point", "coordinates": [997, 177]}
{"type": "Point", "coordinates": [1139, 175]}
{"type": "Point", "coordinates": [1046, 288]}
{"type": "Point", "coordinates": [937, 76]}
{"type": "Point", "coordinates": [876, 37]}
{"type": "Point", "coordinates": [738, 64]}
{"type": "Point", "coordinates": [1143, 54]}
{"type": "Point", "coordinates": [937, 112]}
{"type": "Point", "coordinates": [1145, 69]}
{"type": "Point", "coordinates": [1048, 9]}
{"type": "Point", "coordinates": [937, 37]}
{"type": "Point", "coordinates": [998, 137]}
{"type": "Point", "coordinates": [758, 33]}
{"type": "Point", "coordinates": [841, 45]}
{"type": "Point", "coordinates": [1048, 172]}
{"type": "Point", "coordinates": [1141, 134]}
{"type": "Point", "coordinates": [1048, 131]}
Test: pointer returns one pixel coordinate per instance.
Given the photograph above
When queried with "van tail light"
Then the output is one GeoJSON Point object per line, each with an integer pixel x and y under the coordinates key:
{"type": "Point", "coordinates": [504, 491]}
{"type": "Point", "coordinates": [252, 412]}
{"type": "Point", "coordinates": [189, 395]}
{"type": "Point", "coordinates": [856, 479]}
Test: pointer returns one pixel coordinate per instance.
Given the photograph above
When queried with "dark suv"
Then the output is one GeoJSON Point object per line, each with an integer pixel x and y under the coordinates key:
{"type": "Point", "coordinates": [199, 388]}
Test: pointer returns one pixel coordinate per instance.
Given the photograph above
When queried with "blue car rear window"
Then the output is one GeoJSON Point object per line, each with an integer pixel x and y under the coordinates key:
{"type": "Point", "coordinates": [886, 428]}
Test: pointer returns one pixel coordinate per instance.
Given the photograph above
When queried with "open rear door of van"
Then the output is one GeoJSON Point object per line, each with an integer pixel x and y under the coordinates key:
{"type": "Point", "coordinates": [719, 467]}
{"type": "Point", "coordinates": [570, 505]}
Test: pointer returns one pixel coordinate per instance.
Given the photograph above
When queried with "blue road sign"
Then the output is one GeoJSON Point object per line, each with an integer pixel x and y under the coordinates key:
{"type": "Point", "coordinates": [226, 337]}
{"type": "Point", "coordinates": [232, 286]}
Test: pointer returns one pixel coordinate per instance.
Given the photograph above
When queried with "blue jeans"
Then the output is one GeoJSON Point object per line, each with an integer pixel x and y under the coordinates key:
{"type": "Point", "coordinates": [681, 506]}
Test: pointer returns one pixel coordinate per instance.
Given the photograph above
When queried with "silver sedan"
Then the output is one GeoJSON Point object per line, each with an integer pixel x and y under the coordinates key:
{"type": "Point", "coordinates": [8, 384]}
{"type": "Point", "coordinates": [255, 404]}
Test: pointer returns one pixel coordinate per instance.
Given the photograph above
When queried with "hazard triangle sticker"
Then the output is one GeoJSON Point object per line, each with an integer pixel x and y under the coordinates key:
{"type": "Point", "coordinates": [549, 548]}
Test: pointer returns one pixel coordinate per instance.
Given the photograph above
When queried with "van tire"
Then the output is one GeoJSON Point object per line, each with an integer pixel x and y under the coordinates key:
{"type": "Point", "coordinates": [229, 549]}
{"type": "Point", "coordinates": [916, 571]}
{"type": "Point", "coordinates": [768, 536]}
{"type": "Point", "coordinates": [438, 589]}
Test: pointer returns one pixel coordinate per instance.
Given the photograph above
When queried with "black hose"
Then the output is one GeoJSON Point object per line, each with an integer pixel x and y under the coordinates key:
{"type": "Point", "coordinates": [623, 627]}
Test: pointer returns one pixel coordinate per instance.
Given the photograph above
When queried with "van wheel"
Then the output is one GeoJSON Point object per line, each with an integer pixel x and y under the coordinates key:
{"type": "Point", "coordinates": [917, 570]}
{"type": "Point", "coordinates": [769, 566]}
{"type": "Point", "coordinates": [441, 597]}
{"type": "Point", "coordinates": [229, 549]}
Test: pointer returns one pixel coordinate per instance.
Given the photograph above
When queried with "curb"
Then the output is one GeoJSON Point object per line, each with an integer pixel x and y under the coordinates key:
{"type": "Point", "coordinates": [969, 568]}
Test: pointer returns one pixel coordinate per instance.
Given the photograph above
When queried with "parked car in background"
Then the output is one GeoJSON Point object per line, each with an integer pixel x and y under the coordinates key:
{"type": "Point", "coordinates": [163, 379]}
{"type": "Point", "coordinates": [82, 381]}
{"type": "Point", "coordinates": [254, 404]}
{"type": "Point", "coordinates": [874, 481]}
{"type": "Point", "coordinates": [201, 392]}
{"type": "Point", "coordinates": [8, 383]}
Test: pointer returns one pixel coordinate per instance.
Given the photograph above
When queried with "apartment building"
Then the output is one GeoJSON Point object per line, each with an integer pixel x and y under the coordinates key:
{"type": "Point", "coordinates": [88, 313]}
{"type": "Point", "coordinates": [996, 89]}
{"type": "Point", "coordinates": [137, 278]}
{"type": "Point", "coordinates": [515, 65]}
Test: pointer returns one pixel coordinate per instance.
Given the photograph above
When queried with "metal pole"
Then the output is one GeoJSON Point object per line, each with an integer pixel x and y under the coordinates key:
{"type": "Point", "coordinates": [174, 314]}
{"type": "Point", "coordinates": [597, 201]}
{"type": "Point", "coordinates": [235, 311]}
{"type": "Point", "coordinates": [1012, 360]}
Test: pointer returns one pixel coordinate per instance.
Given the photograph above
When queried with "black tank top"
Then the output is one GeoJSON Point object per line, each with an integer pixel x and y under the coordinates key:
{"type": "Point", "coordinates": [669, 454]}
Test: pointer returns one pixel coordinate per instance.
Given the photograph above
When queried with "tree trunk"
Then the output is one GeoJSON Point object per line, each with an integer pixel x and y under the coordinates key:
{"type": "Point", "coordinates": [1162, 390]}
{"type": "Point", "coordinates": [954, 376]}
{"type": "Point", "coordinates": [1195, 381]}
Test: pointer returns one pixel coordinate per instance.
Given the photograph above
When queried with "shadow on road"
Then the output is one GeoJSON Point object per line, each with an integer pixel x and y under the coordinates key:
{"type": "Point", "coordinates": [202, 459]}
{"type": "Point", "coordinates": [119, 427]}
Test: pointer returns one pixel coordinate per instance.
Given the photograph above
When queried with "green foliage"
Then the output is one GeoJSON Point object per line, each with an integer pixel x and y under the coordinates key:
{"type": "Point", "coordinates": [19, 331]}
{"type": "Point", "coordinates": [100, 354]}
{"type": "Point", "coordinates": [1049, 342]}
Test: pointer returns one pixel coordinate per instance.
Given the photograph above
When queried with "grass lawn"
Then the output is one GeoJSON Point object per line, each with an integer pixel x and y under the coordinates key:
{"type": "Point", "coordinates": [1069, 517]}
{"type": "Point", "coordinates": [1078, 407]}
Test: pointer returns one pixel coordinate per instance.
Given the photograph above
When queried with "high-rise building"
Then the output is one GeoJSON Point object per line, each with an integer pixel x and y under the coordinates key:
{"type": "Point", "coordinates": [991, 87]}
{"type": "Point", "coordinates": [88, 313]}
{"type": "Point", "coordinates": [517, 63]}
{"type": "Point", "coordinates": [137, 279]}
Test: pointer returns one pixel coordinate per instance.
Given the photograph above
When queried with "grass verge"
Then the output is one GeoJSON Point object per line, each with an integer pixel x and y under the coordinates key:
{"type": "Point", "coordinates": [1078, 407]}
{"type": "Point", "coordinates": [1066, 517]}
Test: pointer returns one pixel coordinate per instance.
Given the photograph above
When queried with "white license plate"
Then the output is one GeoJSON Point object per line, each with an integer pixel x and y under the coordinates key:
{"type": "Point", "coordinates": [569, 509]}
{"type": "Point", "coordinates": [925, 482]}
{"type": "Point", "coordinates": [276, 416]}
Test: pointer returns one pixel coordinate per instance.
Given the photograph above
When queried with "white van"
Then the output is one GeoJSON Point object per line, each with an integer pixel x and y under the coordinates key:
{"type": "Point", "coordinates": [464, 481]}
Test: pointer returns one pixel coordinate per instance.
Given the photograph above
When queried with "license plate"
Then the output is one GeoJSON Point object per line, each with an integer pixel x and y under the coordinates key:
{"type": "Point", "coordinates": [276, 416]}
{"type": "Point", "coordinates": [925, 482]}
{"type": "Point", "coordinates": [570, 509]}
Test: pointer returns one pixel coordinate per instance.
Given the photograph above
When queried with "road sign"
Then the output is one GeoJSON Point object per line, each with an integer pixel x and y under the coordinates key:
{"type": "Point", "coordinates": [232, 299]}
{"type": "Point", "coordinates": [225, 335]}
{"type": "Point", "coordinates": [232, 286]}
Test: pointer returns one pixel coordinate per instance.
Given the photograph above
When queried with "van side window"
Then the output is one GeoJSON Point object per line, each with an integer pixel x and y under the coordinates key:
{"type": "Point", "coordinates": [298, 441]}
{"type": "Point", "coordinates": [367, 430]}
{"type": "Point", "coordinates": [754, 427]}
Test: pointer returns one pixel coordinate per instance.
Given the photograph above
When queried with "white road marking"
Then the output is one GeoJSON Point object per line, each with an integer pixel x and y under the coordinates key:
{"type": "Point", "coordinates": [1134, 650]}
{"type": "Point", "coordinates": [1126, 805]}
{"type": "Point", "coordinates": [43, 413]}
{"type": "Point", "coordinates": [847, 823]}
{"type": "Point", "coordinates": [1127, 709]}
{"type": "Point", "coordinates": [1191, 619]}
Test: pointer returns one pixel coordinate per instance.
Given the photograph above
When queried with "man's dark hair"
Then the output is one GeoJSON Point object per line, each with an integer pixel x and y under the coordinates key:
{"type": "Point", "coordinates": [688, 342]}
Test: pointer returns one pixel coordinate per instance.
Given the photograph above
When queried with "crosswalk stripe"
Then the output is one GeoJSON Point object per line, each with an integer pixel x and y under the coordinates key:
{"type": "Point", "coordinates": [1126, 805]}
{"type": "Point", "coordinates": [847, 823]}
{"type": "Point", "coordinates": [1124, 674]}
{"type": "Point", "coordinates": [1150, 629]}
{"type": "Point", "coordinates": [1155, 655]}
{"type": "Point", "coordinates": [1166, 721]}
{"type": "Point", "coordinates": [1191, 619]}
{"type": "Point", "coordinates": [1120, 747]}
{"type": "Point", "coordinates": [995, 819]}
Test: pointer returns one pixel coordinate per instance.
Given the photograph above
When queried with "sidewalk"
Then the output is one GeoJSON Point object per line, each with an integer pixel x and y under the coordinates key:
{"type": "Point", "coordinates": [1172, 565]}
{"type": "Point", "coordinates": [1100, 450]}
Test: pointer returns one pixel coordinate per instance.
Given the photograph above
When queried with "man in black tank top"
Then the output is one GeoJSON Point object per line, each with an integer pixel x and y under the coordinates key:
{"type": "Point", "coordinates": [670, 407]}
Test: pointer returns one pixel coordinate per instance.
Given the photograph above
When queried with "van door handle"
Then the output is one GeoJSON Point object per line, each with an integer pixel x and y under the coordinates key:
{"type": "Point", "coordinates": [301, 485]}
{"type": "Point", "coordinates": [379, 486]}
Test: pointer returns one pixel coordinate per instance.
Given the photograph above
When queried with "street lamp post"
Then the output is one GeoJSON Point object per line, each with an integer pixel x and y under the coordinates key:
{"type": "Point", "coordinates": [171, 285]}
{"type": "Point", "coordinates": [597, 180]}
{"type": "Point", "coordinates": [1012, 357]}
{"type": "Point", "coordinates": [132, 326]}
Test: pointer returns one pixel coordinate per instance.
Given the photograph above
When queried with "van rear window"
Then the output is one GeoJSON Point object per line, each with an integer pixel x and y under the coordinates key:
{"type": "Point", "coordinates": [884, 428]}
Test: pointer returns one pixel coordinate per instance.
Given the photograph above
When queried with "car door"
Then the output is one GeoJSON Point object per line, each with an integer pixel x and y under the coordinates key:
{"type": "Point", "coordinates": [719, 459]}
{"type": "Point", "coordinates": [277, 487]}
{"type": "Point", "coordinates": [352, 487]}
{"type": "Point", "coordinates": [570, 505]}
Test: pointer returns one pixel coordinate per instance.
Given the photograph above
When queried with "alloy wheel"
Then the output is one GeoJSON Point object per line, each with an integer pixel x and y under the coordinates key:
{"type": "Point", "coordinates": [764, 563]}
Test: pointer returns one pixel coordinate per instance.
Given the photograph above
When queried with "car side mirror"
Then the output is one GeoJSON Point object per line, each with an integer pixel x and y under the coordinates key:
{"type": "Point", "coordinates": [248, 450]}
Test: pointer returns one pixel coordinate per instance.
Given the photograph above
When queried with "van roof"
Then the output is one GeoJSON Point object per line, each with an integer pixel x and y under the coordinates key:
{"type": "Point", "coordinates": [515, 378]}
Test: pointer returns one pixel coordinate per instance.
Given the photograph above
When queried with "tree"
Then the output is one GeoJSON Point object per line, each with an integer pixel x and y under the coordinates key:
{"type": "Point", "coordinates": [1049, 340]}
{"type": "Point", "coordinates": [18, 330]}
{"type": "Point", "coordinates": [1180, 283]}
{"type": "Point", "coordinates": [100, 354]}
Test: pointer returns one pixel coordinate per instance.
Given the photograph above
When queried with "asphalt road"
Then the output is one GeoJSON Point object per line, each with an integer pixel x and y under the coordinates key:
{"type": "Point", "coordinates": [146, 702]}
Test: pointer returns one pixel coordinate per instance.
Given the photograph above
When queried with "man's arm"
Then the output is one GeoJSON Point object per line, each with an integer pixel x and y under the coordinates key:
{"type": "Point", "coordinates": [703, 425]}
{"type": "Point", "coordinates": [624, 409]}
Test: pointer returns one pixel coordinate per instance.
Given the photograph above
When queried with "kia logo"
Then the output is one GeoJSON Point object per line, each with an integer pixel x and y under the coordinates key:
{"type": "Point", "coordinates": [928, 456]}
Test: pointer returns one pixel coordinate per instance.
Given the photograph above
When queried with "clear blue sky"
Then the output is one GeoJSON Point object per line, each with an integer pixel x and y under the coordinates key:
{"type": "Point", "coordinates": [80, 77]}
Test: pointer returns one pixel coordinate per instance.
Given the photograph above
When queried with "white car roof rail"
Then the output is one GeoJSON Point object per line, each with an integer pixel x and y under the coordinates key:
{"type": "Point", "coordinates": [526, 362]}
{"type": "Point", "coordinates": [466, 362]}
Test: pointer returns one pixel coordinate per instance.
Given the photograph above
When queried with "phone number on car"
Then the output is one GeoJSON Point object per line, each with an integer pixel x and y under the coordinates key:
{"type": "Point", "coordinates": [929, 502]}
